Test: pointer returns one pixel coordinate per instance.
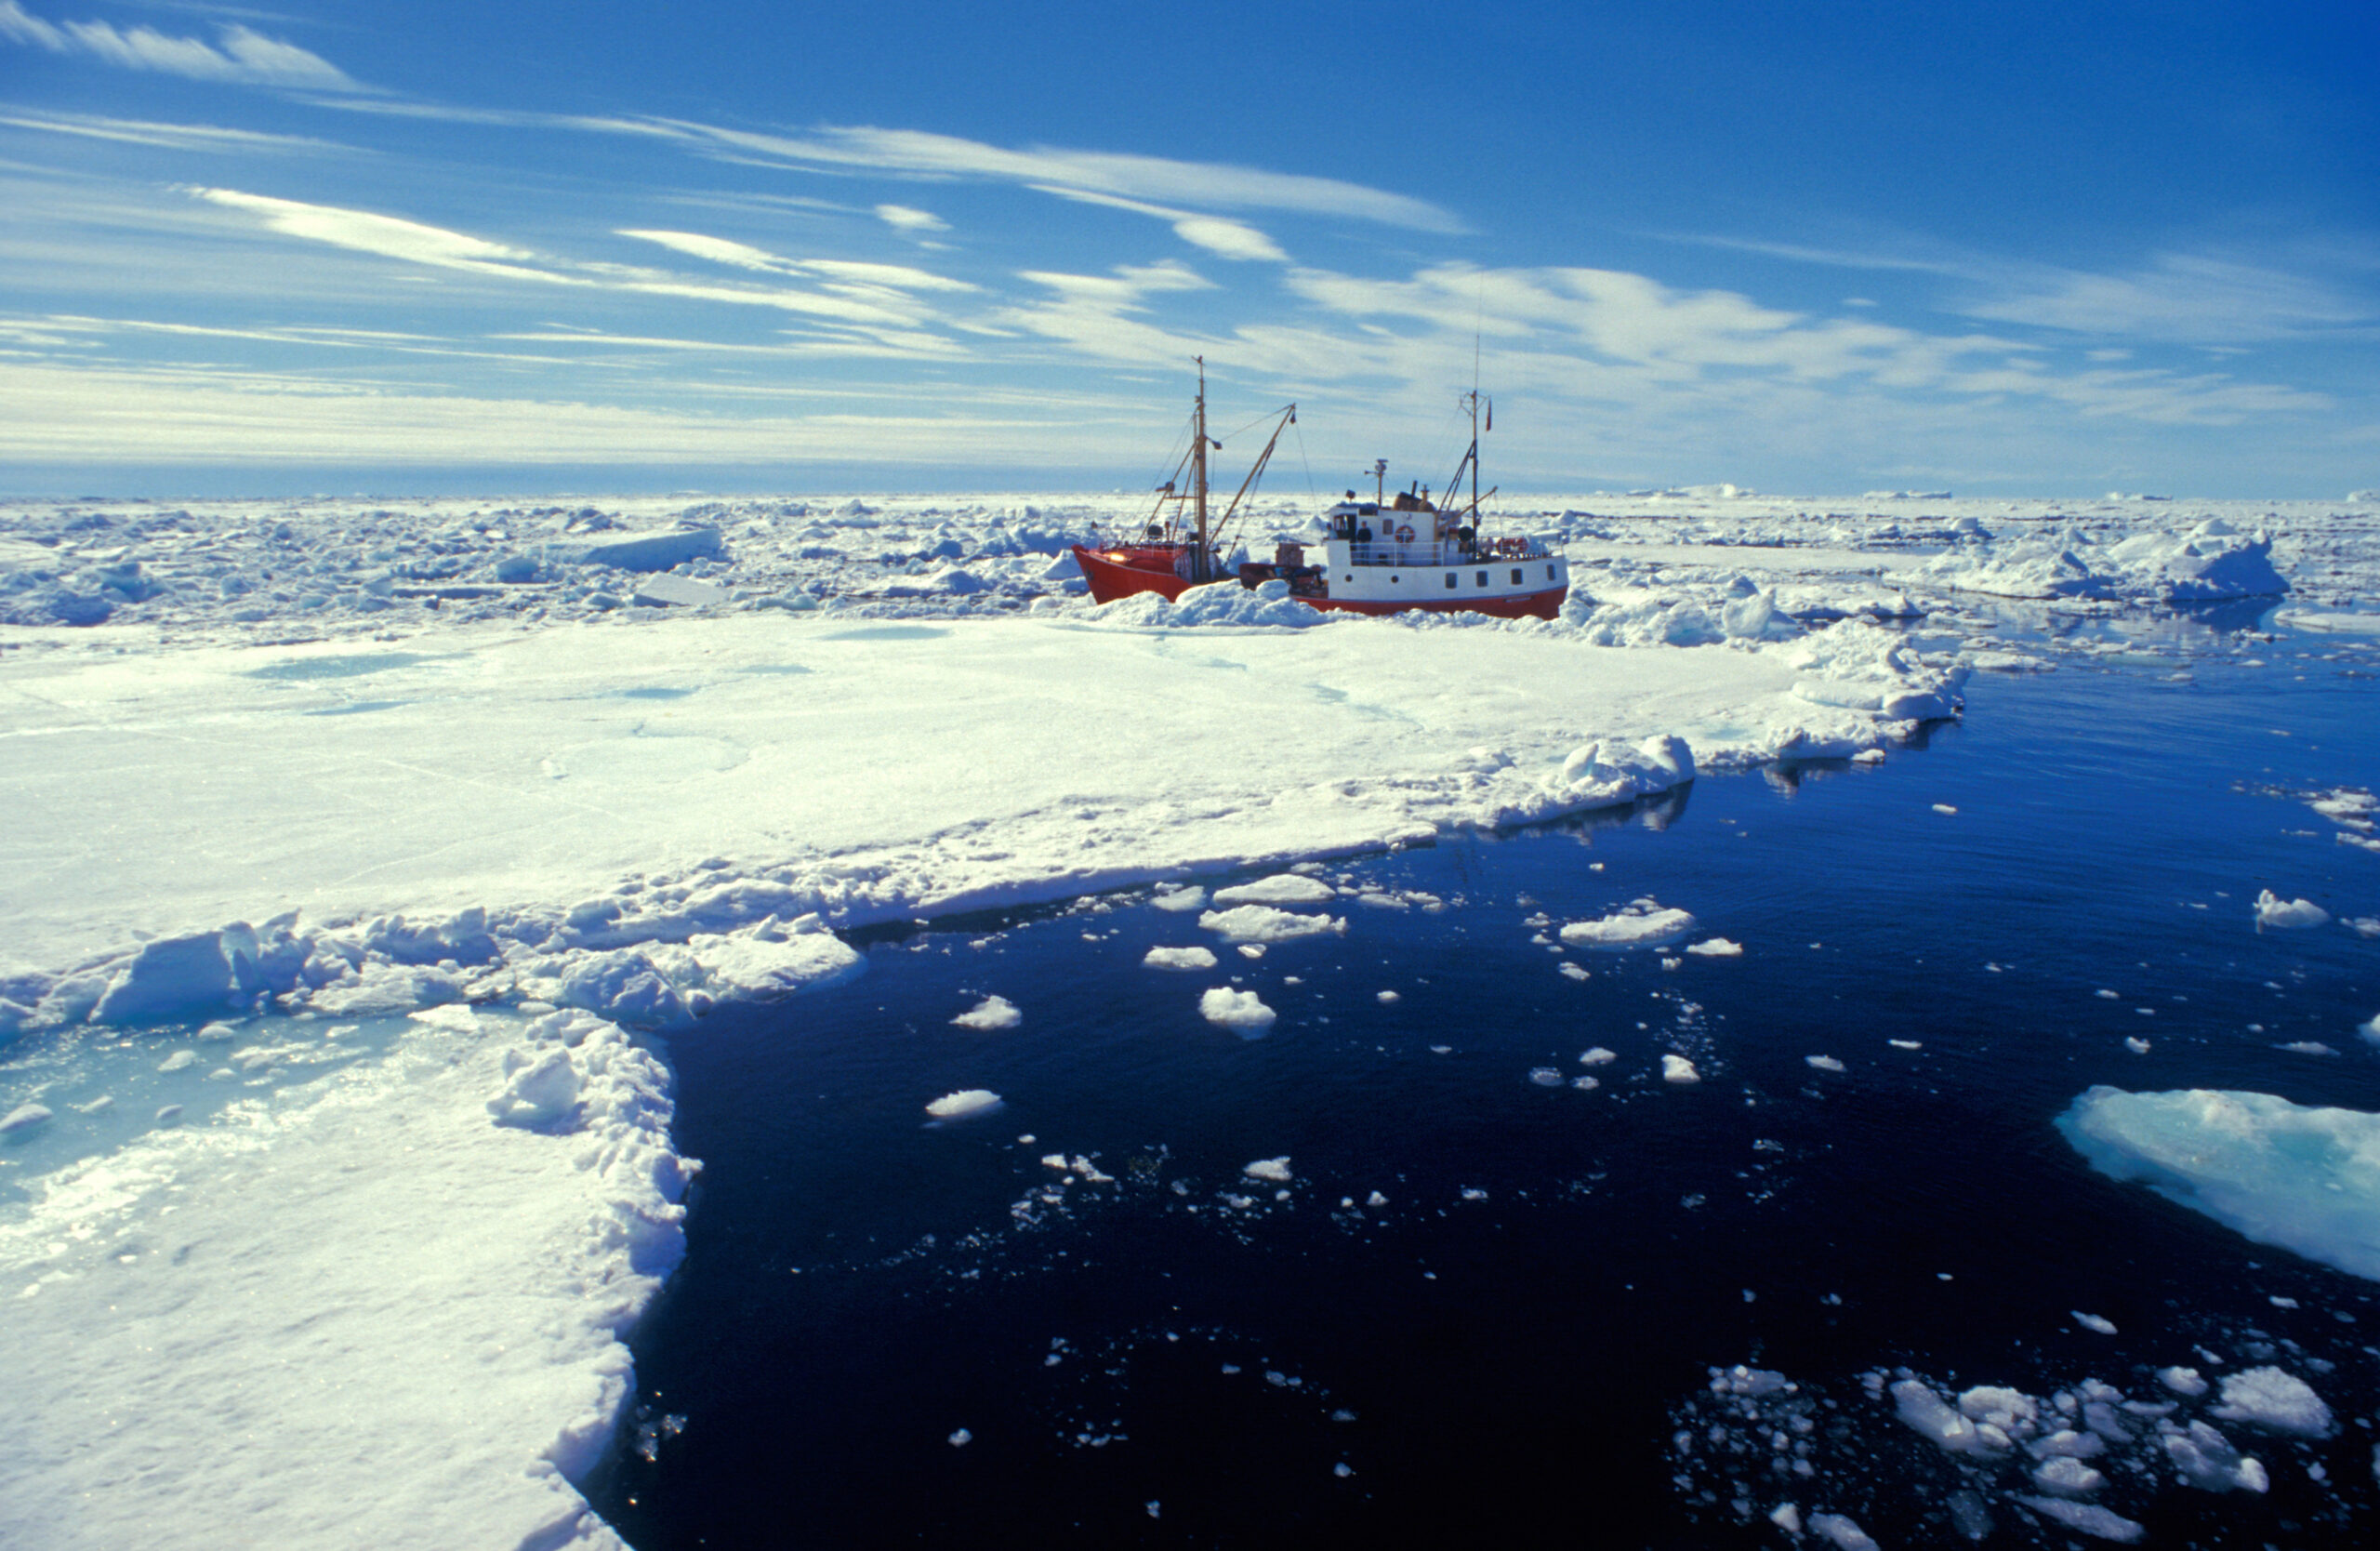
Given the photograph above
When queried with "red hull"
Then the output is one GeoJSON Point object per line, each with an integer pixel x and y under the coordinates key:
{"type": "Point", "coordinates": [1119, 573]}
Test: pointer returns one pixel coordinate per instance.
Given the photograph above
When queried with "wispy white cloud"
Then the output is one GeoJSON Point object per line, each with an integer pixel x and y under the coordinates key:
{"type": "Point", "coordinates": [1209, 185]}
{"type": "Point", "coordinates": [2171, 299]}
{"type": "Point", "coordinates": [850, 273]}
{"type": "Point", "coordinates": [840, 298]}
{"type": "Point", "coordinates": [169, 136]}
{"type": "Point", "coordinates": [1226, 239]}
{"type": "Point", "coordinates": [2178, 298]}
{"type": "Point", "coordinates": [239, 53]}
{"type": "Point", "coordinates": [62, 415]}
{"type": "Point", "coordinates": [906, 218]}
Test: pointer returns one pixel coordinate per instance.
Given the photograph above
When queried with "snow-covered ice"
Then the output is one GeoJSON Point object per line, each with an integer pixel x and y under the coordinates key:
{"type": "Point", "coordinates": [1192, 958]}
{"type": "Point", "coordinates": [1263, 923]}
{"type": "Point", "coordinates": [1244, 1011]}
{"type": "Point", "coordinates": [993, 1012]}
{"type": "Point", "coordinates": [2304, 1178]}
{"type": "Point", "coordinates": [1642, 924]}
{"type": "Point", "coordinates": [440, 1297]}
{"type": "Point", "coordinates": [1285, 888]}
{"type": "Point", "coordinates": [2274, 912]}
{"type": "Point", "coordinates": [1274, 1170]}
{"type": "Point", "coordinates": [966, 1103]}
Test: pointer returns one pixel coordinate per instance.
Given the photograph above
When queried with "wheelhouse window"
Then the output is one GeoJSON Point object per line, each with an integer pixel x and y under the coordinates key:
{"type": "Point", "coordinates": [1549, 573]}
{"type": "Point", "coordinates": [1516, 575]}
{"type": "Point", "coordinates": [1451, 580]}
{"type": "Point", "coordinates": [1483, 579]}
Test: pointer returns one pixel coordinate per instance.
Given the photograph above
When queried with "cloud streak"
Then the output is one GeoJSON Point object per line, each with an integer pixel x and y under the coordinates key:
{"type": "Point", "coordinates": [240, 54]}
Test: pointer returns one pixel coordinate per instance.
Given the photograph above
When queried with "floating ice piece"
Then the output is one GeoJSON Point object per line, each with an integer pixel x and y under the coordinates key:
{"type": "Point", "coordinates": [1241, 1010]}
{"type": "Point", "coordinates": [1716, 948]}
{"type": "Point", "coordinates": [1677, 1068]}
{"type": "Point", "coordinates": [1788, 1517]}
{"type": "Point", "coordinates": [23, 1118]}
{"type": "Point", "coordinates": [180, 1060]}
{"type": "Point", "coordinates": [2208, 1461]}
{"type": "Point", "coordinates": [964, 1105]}
{"type": "Point", "coordinates": [2307, 1047]}
{"type": "Point", "coordinates": [1263, 923]}
{"type": "Point", "coordinates": [1906, 1044]}
{"type": "Point", "coordinates": [1283, 888]}
{"type": "Point", "coordinates": [2089, 1517]}
{"type": "Point", "coordinates": [2369, 1031]}
{"type": "Point", "coordinates": [993, 1012]}
{"type": "Point", "coordinates": [2276, 912]}
{"type": "Point", "coordinates": [2271, 1398]}
{"type": "Point", "coordinates": [1824, 1063]}
{"type": "Point", "coordinates": [1944, 808]}
{"type": "Point", "coordinates": [1597, 1056]}
{"type": "Point", "coordinates": [1842, 1531]}
{"type": "Point", "coordinates": [1641, 924]}
{"type": "Point", "coordinates": [1472, 1193]}
{"type": "Point", "coordinates": [2066, 1473]}
{"type": "Point", "coordinates": [172, 978]}
{"type": "Point", "coordinates": [1389, 999]}
{"type": "Point", "coordinates": [1191, 898]}
{"type": "Point", "coordinates": [2098, 1322]}
{"type": "Point", "coordinates": [1928, 1413]}
{"type": "Point", "coordinates": [2304, 1178]}
{"type": "Point", "coordinates": [2182, 1381]}
{"type": "Point", "coordinates": [960, 1439]}
{"type": "Point", "coordinates": [1180, 958]}
{"type": "Point", "coordinates": [1579, 972]}
{"type": "Point", "coordinates": [1586, 1084]}
{"type": "Point", "coordinates": [2136, 1044]}
{"type": "Point", "coordinates": [1375, 1198]}
{"type": "Point", "coordinates": [1275, 1170]}
{"type": "Point", "coordinates": [1545, 1076]}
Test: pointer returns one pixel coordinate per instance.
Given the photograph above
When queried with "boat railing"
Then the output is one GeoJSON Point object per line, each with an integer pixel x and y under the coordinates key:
{"type": "Point", "coordinates": [1424, 552]}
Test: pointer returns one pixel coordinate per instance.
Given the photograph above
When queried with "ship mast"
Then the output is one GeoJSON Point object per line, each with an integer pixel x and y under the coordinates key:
{"type": "Point", "coordinates": [1201, 558]}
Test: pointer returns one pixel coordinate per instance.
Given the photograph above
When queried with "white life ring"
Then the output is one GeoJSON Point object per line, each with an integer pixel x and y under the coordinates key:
{"type": "Point", "coordinates": [1404, 534]}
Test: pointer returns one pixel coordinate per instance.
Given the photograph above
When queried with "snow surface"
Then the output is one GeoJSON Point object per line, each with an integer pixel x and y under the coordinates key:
{"type": "Point", "coordinates": [351, 1310]}
{"type": "Point", "coordinates": [2304, 1178]}
{"type": "Point", "coordinates": [1242, 1010]}
{"type": "Point", "coordinates": [1641, 924]}
{"type": "Point", "coordinates": [1180, 958]}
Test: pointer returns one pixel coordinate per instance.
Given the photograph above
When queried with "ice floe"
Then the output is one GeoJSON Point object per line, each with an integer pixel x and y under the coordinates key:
{"type": "Point", "coordinates": [1180, 958]}
{"type": "Point", "coordinates": [1244, 1011]}
{"type": "Point", "coordinates": [1643, 923]}
{"type": "Point", "coordinates": [2288, 914]}
{"type": "Point", "coordinates": [2302, 1177]}
{"type": "Point", "coordinates": [993, 1012]}
{"type": "Point", "coordinates": [965, 1104]}
{"type": "Point", "coordinates": [1263, 923]}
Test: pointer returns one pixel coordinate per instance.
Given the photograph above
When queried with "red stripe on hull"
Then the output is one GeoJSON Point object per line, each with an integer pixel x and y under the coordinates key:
{"type": "Point", "coordinates": [1150, 569]}
{"type": "Point", "coordinates": [1525, 605]}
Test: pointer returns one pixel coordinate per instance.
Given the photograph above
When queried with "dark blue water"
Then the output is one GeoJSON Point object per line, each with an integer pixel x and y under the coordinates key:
{"type": "Point", "coordinates": [1143, 1362]}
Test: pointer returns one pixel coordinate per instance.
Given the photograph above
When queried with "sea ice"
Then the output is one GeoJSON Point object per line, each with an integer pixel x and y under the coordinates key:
{"type": "Point", "coordinates": [2089, 1517]}
{"type": "Point", "coordinates": [1841, 1531]}
{"type": "Point", "coordinates": [1191, 899]}
{"type": "Point", "coordinates": [1716, 948]}
{"type": "Point", "coordinates": [1677, 1068]}
{"type": "Point", "coordinates": [2304, 1178]}
{"type": "Point", "coordinates": [993, 1012]}
{"type": "Point", "coordinates": [2207, 1461]}
{"type": "Point", "coordinates": [964, 1105]}
{"type": "Point", "coordinates": [1824, 1063]}
{"type": "Point", "coordinates": [1274, 1170]}
{"type": "Point", "coordinates": [23, 1120]}
{"type": "Point", "coordinates": [1180, 958]}
{"type": "Point", "coordinates": [1241, 1010]}
{"type": "Point", "coordinates": [2274, 912]}
{"type": "Point", "coordinates": [1641, 924]}
{"type": "Point", "coordinates": [2272, 1398]}
{"type": "Point", "coordinates": [1263, 923]}
{"type": "Point", "coordinates": [1546, 1077]}
{"type": "Point", "coordinates": [1285, 888]}
{"type": "Point", "coordinates": [1597, 1056]}
{"type": "Point", "coordinates": [2098, 1322]}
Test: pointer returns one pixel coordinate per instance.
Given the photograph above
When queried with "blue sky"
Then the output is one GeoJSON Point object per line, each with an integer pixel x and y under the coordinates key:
{"type": "Point", "coordinates": [2021, 249]}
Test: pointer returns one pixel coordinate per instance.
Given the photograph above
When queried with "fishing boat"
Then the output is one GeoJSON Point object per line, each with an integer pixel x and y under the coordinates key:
{"type": "Point", "coordinates": [1381, 556]}
{"type": "Point", "coordinates": [1176, 549]}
